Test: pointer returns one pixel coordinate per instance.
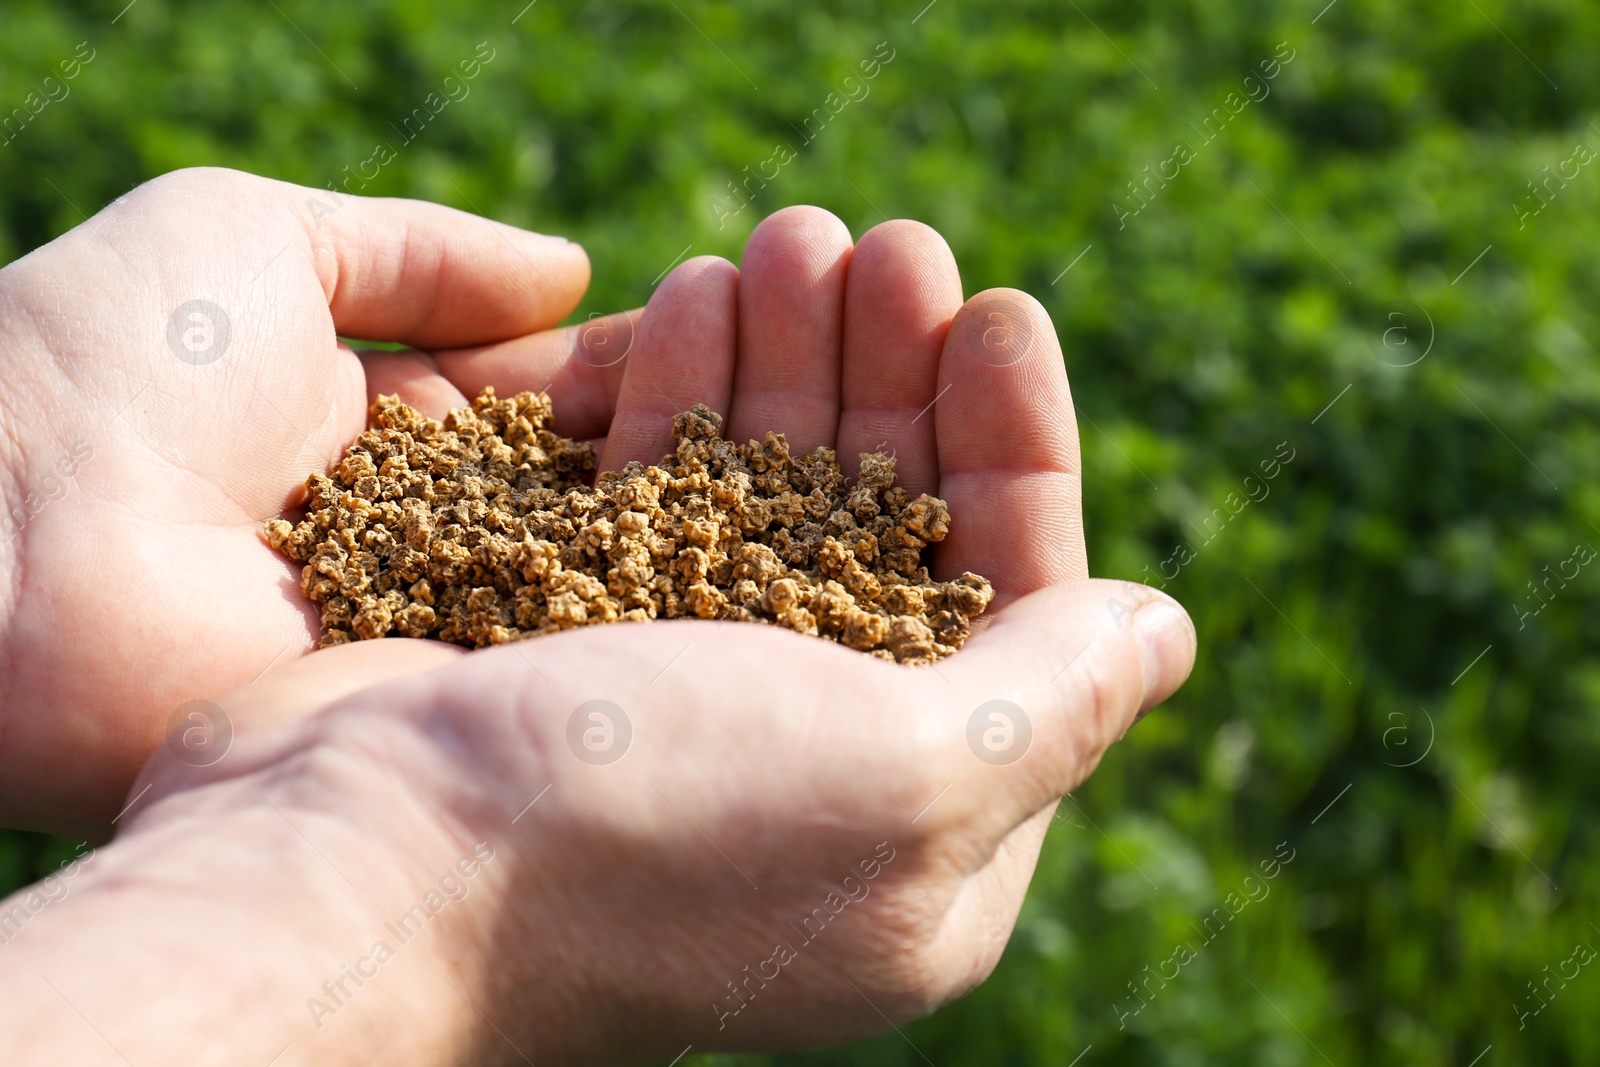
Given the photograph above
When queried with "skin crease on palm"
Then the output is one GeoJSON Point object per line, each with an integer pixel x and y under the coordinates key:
{"type": "Point", "coordinates": [626, 900]}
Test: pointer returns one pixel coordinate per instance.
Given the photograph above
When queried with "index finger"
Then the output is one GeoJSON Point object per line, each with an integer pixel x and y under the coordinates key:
{"type": "Point", "coordinates": [425, 274]}
{"type": "Point", "coordinates": [580, 366]}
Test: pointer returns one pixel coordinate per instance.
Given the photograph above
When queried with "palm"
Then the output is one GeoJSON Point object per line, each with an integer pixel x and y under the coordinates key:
{"type": "Point", "coordinates": [862, 350]}
{"type": "Point", "coordinates": [147, 584]}
{"type": "Point", "coordinates": [859, 349]}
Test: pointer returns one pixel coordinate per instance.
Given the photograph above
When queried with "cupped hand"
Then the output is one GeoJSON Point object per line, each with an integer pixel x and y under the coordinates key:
{"type": "Point", "coordinates": [729, 835]}
{"type": "Point", "coordinates": [590, 850]}
{"type": "Point", "coordinates": [865, 347]}
{"type": "Point", "coordinates": [173, 374]}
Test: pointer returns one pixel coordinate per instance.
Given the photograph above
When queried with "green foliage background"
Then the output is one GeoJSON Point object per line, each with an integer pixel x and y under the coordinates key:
{"type": "Point", "coordinates": [1364, 208]}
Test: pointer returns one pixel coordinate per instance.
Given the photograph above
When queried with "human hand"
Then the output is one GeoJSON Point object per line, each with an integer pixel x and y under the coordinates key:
{"type": "Point", "coordinates": [891, 841]}
{"type": "Point", "coordinates": [779, 843]}
{"type": "Point", "coordinates": [860, 348]}
{"type": "Point", "coordinates": [139, 580]}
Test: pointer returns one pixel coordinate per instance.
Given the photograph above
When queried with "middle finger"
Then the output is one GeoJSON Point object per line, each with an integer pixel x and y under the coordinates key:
{"type": "Point", "coordinates": [791, 319]}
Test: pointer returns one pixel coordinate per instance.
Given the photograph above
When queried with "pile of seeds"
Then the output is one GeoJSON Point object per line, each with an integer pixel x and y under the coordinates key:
{"type": "Point", "coordinates": [482, 530]}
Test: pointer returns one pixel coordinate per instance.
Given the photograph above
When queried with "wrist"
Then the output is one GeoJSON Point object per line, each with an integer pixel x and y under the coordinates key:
{"type": "Point", "coordinates": [241, 917]}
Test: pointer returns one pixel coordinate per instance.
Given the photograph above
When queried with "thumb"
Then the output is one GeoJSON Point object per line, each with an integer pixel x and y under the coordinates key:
{"type": "Point", "coordinates": [312, 682]}
{"type": "Point", "coordinates": [391, 270]}
{"type": "Point", "coordinates": [431, 276]}
{"type": "Point", "coordinates": [1055, 680]}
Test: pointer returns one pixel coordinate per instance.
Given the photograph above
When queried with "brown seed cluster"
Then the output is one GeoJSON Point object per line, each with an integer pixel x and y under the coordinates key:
{"type": "Point", "coordinates": [482, 530]}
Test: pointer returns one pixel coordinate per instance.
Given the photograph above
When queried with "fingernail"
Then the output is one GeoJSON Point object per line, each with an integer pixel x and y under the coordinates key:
{"type": "Point", "coordinates": [1166, 648]}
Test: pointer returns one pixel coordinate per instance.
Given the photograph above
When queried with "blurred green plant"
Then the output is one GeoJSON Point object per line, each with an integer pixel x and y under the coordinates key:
{"type": "Point", "coordinates": [1350, 268]}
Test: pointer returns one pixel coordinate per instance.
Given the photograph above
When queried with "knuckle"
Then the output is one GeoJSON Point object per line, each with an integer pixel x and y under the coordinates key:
{"type": "Point", "coordinates": [923, 963]}
{"type": "Point", "coordinates": [189, 183]}
{"type": "Point", "coordinates": [912, 971]}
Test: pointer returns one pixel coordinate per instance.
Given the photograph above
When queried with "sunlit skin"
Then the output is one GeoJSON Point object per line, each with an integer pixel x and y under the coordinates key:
{"type": "Point", "coordinates": [626, 900]}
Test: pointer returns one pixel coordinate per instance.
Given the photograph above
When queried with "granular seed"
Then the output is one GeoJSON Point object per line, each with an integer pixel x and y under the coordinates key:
{"type": "Point", "coordinates": [482, 530]}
